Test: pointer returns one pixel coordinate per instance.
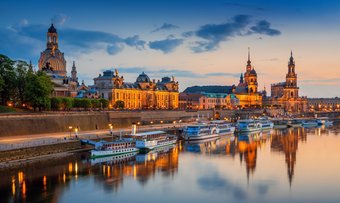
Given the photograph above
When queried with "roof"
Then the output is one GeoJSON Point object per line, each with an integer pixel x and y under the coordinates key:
{"type": "Point", "coordinates": [215, 95]}
{"type": "Point", "coordinates": [52, 29]}
{"type": "Point", "coordinates": [210, 89]}
{"type": "Point", "coordinates": [149, 133]}
{"type": "Point", "coordinates": [143, 78]}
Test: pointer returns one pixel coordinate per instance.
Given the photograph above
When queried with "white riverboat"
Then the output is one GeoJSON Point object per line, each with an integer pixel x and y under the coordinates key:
{"type": "Point", "coordinates": [114, 148]}
{"type": "Point", "coordinates": [324, 121]}
{"type": "Point", "coordinates": [248, 125]}
{"type": "Point", "coordinates": [310, 123]}
{"type": "Point", "coordinates": [150, 140]}
{"type": "Point", "coordinates": [223, 127]}
{"type": "Point", "coordinates": [280, 124]}
{"type": "Point", "coordinates": [121, 158]}
{"type": "Point", "coordinates": [294, 123]}
{"type": "Point", "coordinates": [265, 123]}
{"type": "Point", "coordinates": [200, 131]}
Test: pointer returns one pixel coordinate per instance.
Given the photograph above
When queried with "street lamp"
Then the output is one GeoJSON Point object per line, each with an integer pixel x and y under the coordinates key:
{"type": "Point", "coordinates": [76, 132]}
{"type": "Point", "coordinates": [111, 132]}
{"type": "Point", "coordinates": [70, 129]}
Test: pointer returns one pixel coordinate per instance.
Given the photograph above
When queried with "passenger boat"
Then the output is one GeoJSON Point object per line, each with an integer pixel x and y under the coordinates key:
{"type": "Point", "coordinates": [265, 123]}
{"type": "Point", "coordinates": [280, 124]}
{"type": "Point", "coordinates": [324, 121]}
{"type": "Point", "coordinates": [200, 131]}
{"type": "Point", "coordinates": [113, 148]}
{"type": "Point", "coordinates": [310, 123]}
{"type": "Point", "coordinates": [294, 123]}
{"type": "Point", "coordinates": [121, 158]}
{"type": "Point", "coordinates": [223, 127]}
{"type": "Point", "coordinates": [150, 140]}
{"type": "Point", "coordinates": [248, 125]}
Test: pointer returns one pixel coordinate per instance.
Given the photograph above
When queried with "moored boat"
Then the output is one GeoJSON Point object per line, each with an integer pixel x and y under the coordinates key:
{"type": "Point", "coordinates": [113, 148]}
{"type": "Point", "coordinates": [223, 127]}
{"type": "Point", "coordinates": [310, 123]}
{"type": "Point", "coordinates": [294, 123]}
{"type": "Point", "coordinates": [324, 121]}
{"type": "Point", "coordinates": [248, 125]}
{"type": "Point", "coordinates": [265, 123]}
{"type": "Point", "coordinates": [200, 131]}
{"type": "Point", "coordinates": [280, 124]}
{"type": "Point", "coordinates": [146, 141]}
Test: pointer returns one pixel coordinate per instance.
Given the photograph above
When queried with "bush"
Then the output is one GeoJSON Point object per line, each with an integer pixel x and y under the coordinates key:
{"type": "Point", "coordinates": [104, 103]}
{"type": "Point", "coordinates": [67, 103]}
{"type": "Point", "coordinates": [56, 103]}
{"type": "Point", "coordinates": [95, 103]}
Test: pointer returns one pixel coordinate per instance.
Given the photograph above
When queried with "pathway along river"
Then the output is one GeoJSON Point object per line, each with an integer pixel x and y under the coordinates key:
{"type": "Point", "coordinates": [291, 165]}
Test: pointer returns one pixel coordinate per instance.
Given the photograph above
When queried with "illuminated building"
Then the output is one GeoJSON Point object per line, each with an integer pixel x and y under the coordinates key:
{"type": "Point", "coordinates": [286, 94]}
{"type": "Point", "coordinates": [53, 63]}
{"type": "Point", "coordinates": [244, 95]}
{"type": "Point", "coordinates": [204, 100]}
{"type": "Point", "coordinates": [247, 89]}
{"type": "Point", "coordinates": [323, 104]}
{"type": "Point", "coordinates": [142, 94]}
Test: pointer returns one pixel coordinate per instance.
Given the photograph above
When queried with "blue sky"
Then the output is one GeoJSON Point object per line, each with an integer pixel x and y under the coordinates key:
{"type": "Point", "coordinates": [198, 42]}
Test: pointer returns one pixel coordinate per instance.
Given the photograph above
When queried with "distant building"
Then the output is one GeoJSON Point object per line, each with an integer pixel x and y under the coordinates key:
{"type": "Point", "coordinates": [323, 104]}
{"type": "Point", "coordinates": [142, 94]}
{"type": "Point", "coordinates": [247, 89]}
{"type": "Point", "coordinates": [199, 101]}
{"type": "Point", "coordinates": [286, 94]}
{"type": "Point", "coordinates": [52, 61]}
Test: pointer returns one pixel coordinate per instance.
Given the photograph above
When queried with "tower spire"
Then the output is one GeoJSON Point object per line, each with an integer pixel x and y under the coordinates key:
{"type": "Point", "coordinates": [248, 53]}
{"type": "Point", "coordinates": [248, 62]}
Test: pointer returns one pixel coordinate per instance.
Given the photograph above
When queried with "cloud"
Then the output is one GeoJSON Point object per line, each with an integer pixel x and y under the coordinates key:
{"type": "Point", "coordinates": [329, 81]}
{"type": "Point", "coordinates": [248, 6]}
{"type": "Point", "coordinates": [60, 19]}
{"type": "Point", "coordinates": [215, 183]}
{"type": "Point", "coordinates": [166, 45]}
{"type": "Point", "coordinates": [156, 72]}
{"type": "Point", "coordinates": [114, 49]}
{"type": "Point", "coordinates": [214, 34]}
{"type": "Point", "coordinates": [83, 41]}
{"type": "Point", "coordinates": [165, 26]}
{"type": "Point", "coordinates": [211, 35]}
{"type": "Point", "coordinates": [263, 27]}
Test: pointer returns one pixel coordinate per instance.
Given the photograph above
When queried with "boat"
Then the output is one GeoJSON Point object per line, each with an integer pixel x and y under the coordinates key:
{"type": "Point", "coordinates": [224, 128]}
{"type": "Point", "coordinates": [114, 148]}
{"type": "Point", "coordinates": [265, 123]}
{"type": "Point", "coordinates": [310, 123]}
{"type": "Point", "coordinates": [280, 124]}
{"type": "Point", "coordinates": [248, 125]}
{"type": "Point", "coordinates": [115, 159]}
{"type": "Point", "coordinates": [147, 141]}
{"type": "Point", "coordinates": [324, 121]}
{"type": "Point", "coordinates": [294, 123]}
{"type": "Point", "coordinates": [200, 131]}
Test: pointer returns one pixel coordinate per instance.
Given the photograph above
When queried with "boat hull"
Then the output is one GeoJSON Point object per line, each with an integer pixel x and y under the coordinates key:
{"type": "Point", "coordinates": [200, 137]}
{"type": "Point", "coordinates": [103, 153]}
{"type": "Point", "coordinates": [158, 145]}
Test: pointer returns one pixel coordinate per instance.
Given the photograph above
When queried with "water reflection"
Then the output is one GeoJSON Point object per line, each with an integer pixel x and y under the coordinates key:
{"type": "Point", "coordinates": [47, 180]}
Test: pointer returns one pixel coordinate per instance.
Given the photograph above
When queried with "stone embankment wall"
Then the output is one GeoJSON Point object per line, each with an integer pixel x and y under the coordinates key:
{"type": "Point", "coordinates": [50, 123]}
{"type": "Point", "coordinates": [26, 124]}
{"type": "Point", "coordinates": [29, 152]}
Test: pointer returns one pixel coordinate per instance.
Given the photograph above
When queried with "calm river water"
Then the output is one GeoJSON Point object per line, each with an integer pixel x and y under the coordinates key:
{"type": "Point", "coordinates": [291, 165]}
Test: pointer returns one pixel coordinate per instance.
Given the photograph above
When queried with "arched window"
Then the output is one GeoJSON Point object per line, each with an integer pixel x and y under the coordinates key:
{"type": "Point", "coordinates": [291, 94]}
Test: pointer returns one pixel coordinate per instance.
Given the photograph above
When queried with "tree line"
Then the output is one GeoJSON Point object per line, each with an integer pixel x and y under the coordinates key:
{"type": "Point", "coordinates": [21, 87]}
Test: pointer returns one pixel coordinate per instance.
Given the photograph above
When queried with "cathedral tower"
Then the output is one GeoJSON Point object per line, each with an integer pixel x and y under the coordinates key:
{"type": "Point", "coordinates": [250, 76]}
{"type": "Point", "coordinates": [74, 77]}
{"type": "Point", "coordinates": [291, 89]}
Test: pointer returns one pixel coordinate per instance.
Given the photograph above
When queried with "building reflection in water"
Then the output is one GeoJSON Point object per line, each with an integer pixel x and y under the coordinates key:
{"type": "Point", "coordinates": [286, 141]}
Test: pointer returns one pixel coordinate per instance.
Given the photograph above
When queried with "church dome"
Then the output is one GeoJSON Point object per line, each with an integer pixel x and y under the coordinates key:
{"type": "Point", "coordinates": [52, 29]}
{"type": "Point", "coordinates": [253, 72]}
{"type": "Point", "coordinates": [143, 78]}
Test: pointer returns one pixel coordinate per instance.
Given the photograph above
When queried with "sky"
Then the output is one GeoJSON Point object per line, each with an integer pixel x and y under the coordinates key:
{"type": "Point", "coordinates": [198, 42]}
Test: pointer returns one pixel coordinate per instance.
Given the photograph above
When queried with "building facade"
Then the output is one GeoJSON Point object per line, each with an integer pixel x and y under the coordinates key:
{"type": "Point", "coordinates": [247, 89]}
{"type": "Point", "coordinates": [323, 104]}
{"type": "Point", "coordinates": [52, 61]}
{"type": "Point", "coordinates": [199, 101]}
{"type": "Point", "coordinates": [142, 94]}
{"type": "Point", "coordinates": [286, 94]}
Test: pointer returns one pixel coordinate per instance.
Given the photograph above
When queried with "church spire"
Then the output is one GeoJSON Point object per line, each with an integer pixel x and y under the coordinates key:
{"type": "Point", "coordinates": [241, 78]}
{"type": "Point", "coordinates": [248, 62]}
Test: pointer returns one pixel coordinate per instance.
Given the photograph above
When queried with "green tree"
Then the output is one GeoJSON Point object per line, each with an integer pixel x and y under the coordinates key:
{"type": "Point", "coordinates": [67, 103]}
{"type": "Point", "coordinates": [95, 103]}
{"type": "Point", "coordinates": [86, 103]}
{"type": "Point", "coordinates": [119, 104]}
{"type": "Point", "coordinates": [7, 79]}
{"type": "Point", "coordinates": [39, 88]}
{"type": "Point", "coordinates": [56, 103]}
{"type": "Point", "coordinates": [21, 72]}
{"type": "Point", "coordinates": [104, 103]}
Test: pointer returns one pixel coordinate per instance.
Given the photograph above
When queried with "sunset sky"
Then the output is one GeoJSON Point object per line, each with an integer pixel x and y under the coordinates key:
{"type": "Point", "coordinates": [197, 42]}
